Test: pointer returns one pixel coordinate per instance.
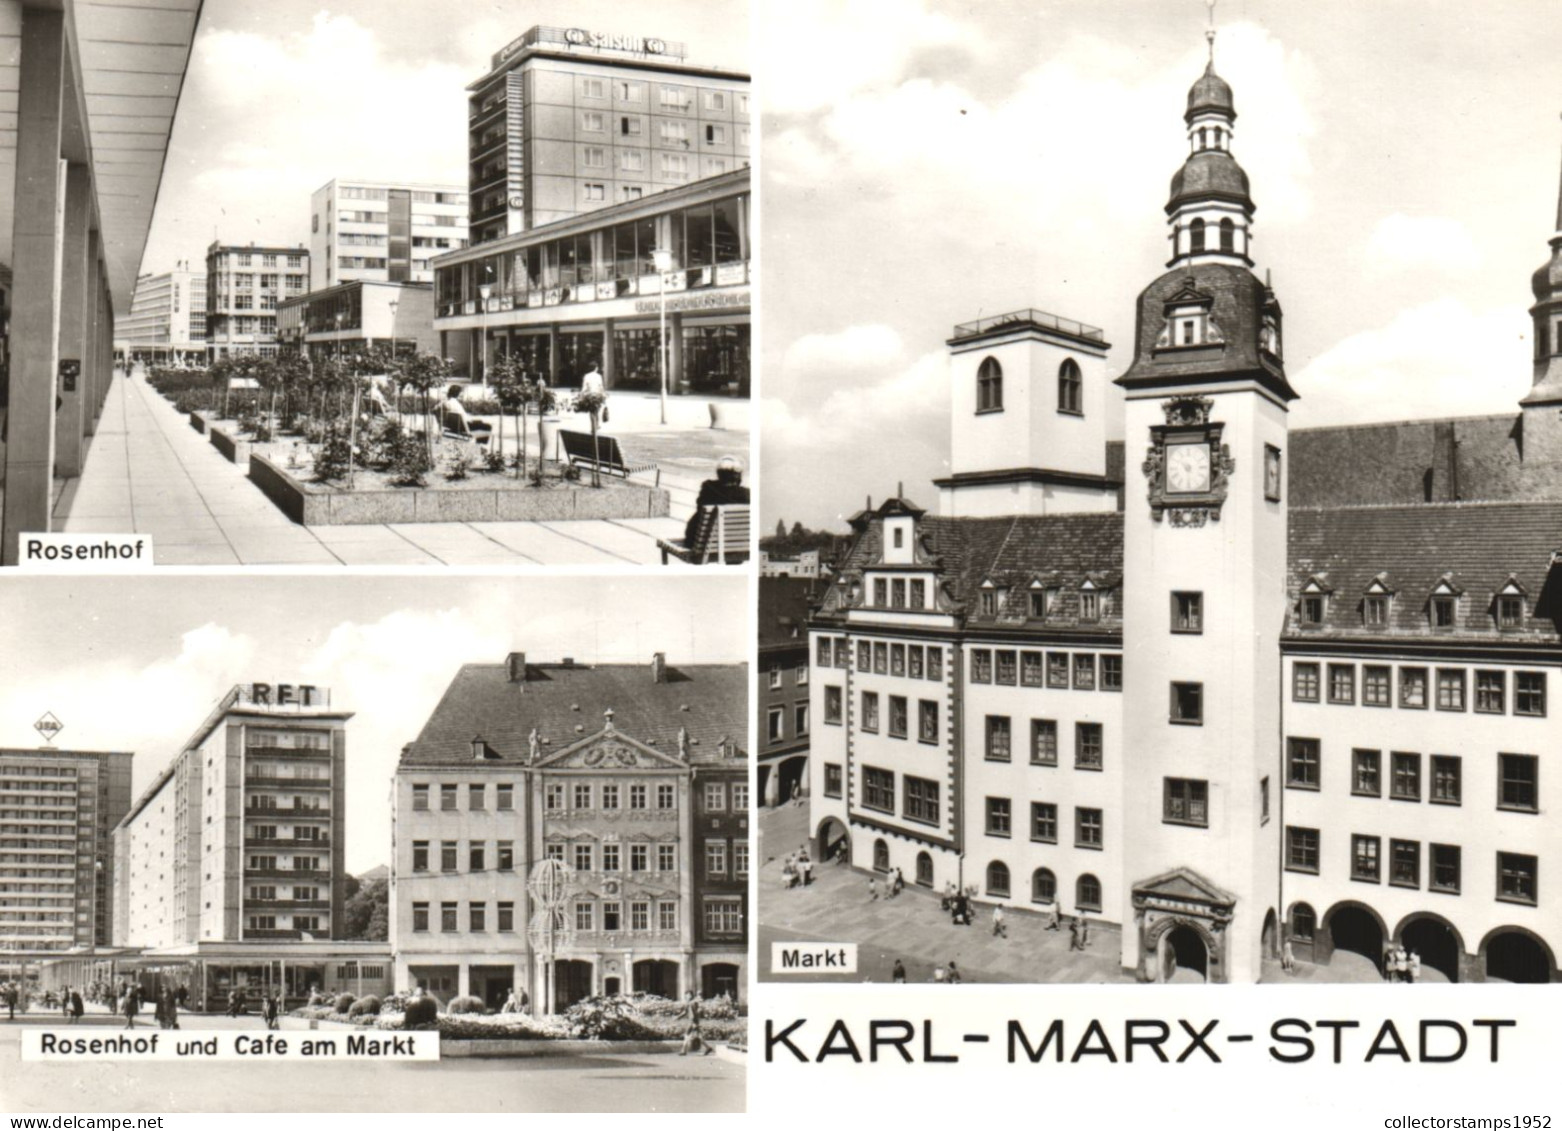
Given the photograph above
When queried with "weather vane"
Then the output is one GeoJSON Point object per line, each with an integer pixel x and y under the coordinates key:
{"type": "Point", "coordinates": [1209, 33]}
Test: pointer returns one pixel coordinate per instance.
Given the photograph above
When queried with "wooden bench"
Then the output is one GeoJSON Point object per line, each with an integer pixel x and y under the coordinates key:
{"type": "Point", "coordinates": [606, 455]}
{"type": "Point", "coordinates": [456, 428]}
{"type": "Point", "coordinates": [721, 536]}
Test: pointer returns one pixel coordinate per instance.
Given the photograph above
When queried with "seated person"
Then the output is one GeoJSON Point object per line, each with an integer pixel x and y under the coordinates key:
{"type": "Point", "coordinates": [726, 489]}
{"type": "Point", "coordinates": [453, 407]}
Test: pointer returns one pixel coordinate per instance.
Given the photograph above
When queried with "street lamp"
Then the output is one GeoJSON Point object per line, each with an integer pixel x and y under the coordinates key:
{"type": "Point", "coordinates": [394, 303]}
{"type": "Point", "coordinates": [341, 318]}
{"type": "Point", "coordinates": [664, 262]}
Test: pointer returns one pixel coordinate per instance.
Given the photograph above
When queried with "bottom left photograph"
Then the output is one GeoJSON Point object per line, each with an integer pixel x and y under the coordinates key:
{"type": "Point", "coordinates": [512, 811]}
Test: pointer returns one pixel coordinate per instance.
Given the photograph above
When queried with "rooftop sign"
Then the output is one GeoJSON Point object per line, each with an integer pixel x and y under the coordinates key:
{"type": "Point", "coordinates": [296, 695]}
{"type": "Point", "coordinates": [587, 39]}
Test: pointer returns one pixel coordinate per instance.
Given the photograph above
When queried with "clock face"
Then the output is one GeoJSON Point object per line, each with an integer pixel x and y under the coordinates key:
{"type": "Point", "coordinates": [1187, 468]}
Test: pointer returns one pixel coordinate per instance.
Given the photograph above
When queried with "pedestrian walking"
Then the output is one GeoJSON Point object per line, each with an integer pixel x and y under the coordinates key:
{"type": "Point", "coordinates": [873, 889]}
{"type": "Point", "coordinates": [1055, 920]}
{"type": "Point", "coordinates": [77, 1008]}
{"type": "Point", "coordinates": [272, 1009]}
{"type": "Point", "coordinates": [130, 1005]}
{"type": "Point", "coordinates": [65, 1004]}
{"type": "Point", "coordinates": [898, 974]}
{"type": "Point", "coordinates": [953, 976]}
{"type": "Point", "coordinates": [693, 1039]}
{"type": "Point", "coordinates": [1000, 924]}
{"type": "Point", "coordinates": [797, 794]}
{"type": "Point", "coordinates": [1413, 967]}
{"type": "Point", "coordinates": [1288, 958]}
{"type": "Point", "coordinates": [1084, 933]}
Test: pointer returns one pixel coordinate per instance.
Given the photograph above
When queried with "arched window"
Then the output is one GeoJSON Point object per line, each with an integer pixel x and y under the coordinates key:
{"type": "Point", "coordinates": [924, 870]}
{"type": "Point", "coordinates": [998, 878]}
{"type": "Point", "coordinates": [1196, 236]}
{"type": "Point", "coordinates": [1087, 893]}
{"type": "Point", "coordinates": [1201, 137]}
{"type": "Point", "coordinates": [880, 856]}
{"type": "Point", "coordinates": [1043, 886]}
{"type": "Point", "coordinates": [1070, 387]}
{"type": "Point", "coordinates": [1228, 235]}
{"type": "Point", "coordinates": [989, 386]}
{"type": "Point", "coordinates": [1304, 921]}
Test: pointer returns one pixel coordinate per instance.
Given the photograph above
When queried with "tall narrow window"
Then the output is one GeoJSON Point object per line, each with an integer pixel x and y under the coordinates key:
{"type": "Point", "coordinates": [1070, 387]}
{"type": "Point", "coordinates": [1196, 236]}
{"type": "Point", "coordinates": [989, 386]}
{"type": "Point", "coordinates": [1228, 236]}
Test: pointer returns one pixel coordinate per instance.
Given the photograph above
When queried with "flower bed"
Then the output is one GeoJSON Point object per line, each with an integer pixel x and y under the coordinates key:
{"type": "Point", "coordinates": [477, 498]}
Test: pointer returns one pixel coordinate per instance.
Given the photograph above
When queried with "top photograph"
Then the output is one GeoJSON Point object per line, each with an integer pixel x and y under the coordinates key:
{"type": "Point", "coordinates": [369, 286]}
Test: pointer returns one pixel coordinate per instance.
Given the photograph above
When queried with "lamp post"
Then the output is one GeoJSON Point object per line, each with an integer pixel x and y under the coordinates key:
{"type": "Point", "coordinates": [341, 318]}
{"type": "Point", "coordinates": [664, 262]}
{"type": "Point", "coordinates": [486, 290]}
{"type": "Point", "coordinates": [394, 303]}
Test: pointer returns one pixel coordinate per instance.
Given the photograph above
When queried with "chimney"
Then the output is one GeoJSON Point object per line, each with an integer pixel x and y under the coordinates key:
{"type": "Point", "coordinates": [569, 661]}
{"type": "Point", "coordinates": [515, 667]}
{"type": "Point", "coordinates": [659, 667]}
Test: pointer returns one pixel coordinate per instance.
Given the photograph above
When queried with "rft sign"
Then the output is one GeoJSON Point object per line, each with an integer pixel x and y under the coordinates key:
{"type": "Point", "coordinates": [286, 695]}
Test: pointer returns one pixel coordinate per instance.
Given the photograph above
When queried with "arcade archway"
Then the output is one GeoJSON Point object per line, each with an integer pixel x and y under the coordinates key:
{"type": "Point", "coordinates": [1434, 939]}
{"type": "Point", "coordinates": [1512, 954]}
{"type": "Point", "coordinates": [1356, 929]}
{"type": "Point", "coordinates": [833, 838]}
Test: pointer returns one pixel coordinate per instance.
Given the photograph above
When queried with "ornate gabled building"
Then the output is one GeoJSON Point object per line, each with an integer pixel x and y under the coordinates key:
{"type": "Point", "coordinates": [632, 776]}
{"type": "Point", "coordinates": [1165, 663]}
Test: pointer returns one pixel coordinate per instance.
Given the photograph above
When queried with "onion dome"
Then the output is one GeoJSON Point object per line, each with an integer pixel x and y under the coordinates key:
{"type": "Point", "coordinates": [1210, 94]}
{"type": "Point", "coordinates": [1206, 174]}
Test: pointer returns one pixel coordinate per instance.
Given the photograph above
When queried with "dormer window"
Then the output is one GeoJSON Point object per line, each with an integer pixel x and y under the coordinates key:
{"type": "Point", "coordinates": [1510, 607]}
{"type": "Point", "coordinates": [992, 601]}
{"type": "Point", "coordinates": [989, 386]}
{"type": "Point", "coordinates": [899, 537]}
{"type": "Point", "coordinates": [1374, 611]}
{"type": "Point", "coordinates": [1043, 601]}
{"type": "Point", "coordinates": [1313, 606]}
{"type": "Point", "coordinates": [1089, 604]}
{"type": "Point", "coordinates": [1443, 610]}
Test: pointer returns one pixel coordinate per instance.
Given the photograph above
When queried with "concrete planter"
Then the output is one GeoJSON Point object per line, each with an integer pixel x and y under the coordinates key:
{"type": "Point", "coordinates": [233, 449]}
{"type": "Point", "coordinates": [315, 504]}
{"type": "Point", "coordinates": [201, 420]}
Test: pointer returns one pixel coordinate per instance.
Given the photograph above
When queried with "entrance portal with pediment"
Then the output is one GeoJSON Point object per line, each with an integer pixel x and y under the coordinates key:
{"type": "Point", "coordinates": [1182, 921]}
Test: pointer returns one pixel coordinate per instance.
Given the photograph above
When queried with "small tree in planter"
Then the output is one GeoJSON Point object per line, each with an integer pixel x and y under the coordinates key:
{"type": "Point", "coordinates": [590, 401]}
{"type": "Point", "coordinates": [422, 373]}
{"type": "Point", "coordinates": [515, 391]}
{"type": "Point", "coordinates": [292, 376]}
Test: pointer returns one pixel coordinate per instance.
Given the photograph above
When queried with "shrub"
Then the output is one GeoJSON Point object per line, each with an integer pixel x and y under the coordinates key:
{"type": "Point", "coordinates": [493, 460]}
{"type": "Point", "coordinates": [344, 1002]}
{"type": "Point", "coordinates": [421, 1013]}
{"type": "Point", "coordinates": [409, 466]}
{"type": "Point", "coordinates": [331, 462]}
{"type": "Point", "coordinates": [608, 1019]}
{"type": "Point", "coordinates": [366, 1005]}
{"type": "Point", "coordinates": [456, 466]}
{"type": "Point", "coordinates": [466, 1004]}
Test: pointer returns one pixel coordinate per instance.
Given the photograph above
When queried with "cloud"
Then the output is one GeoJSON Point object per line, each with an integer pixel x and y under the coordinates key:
{"type": "Point", "coordinates": [1437, 359]}
{"type": "Point", "coordinates": [835, 52]}
{"type": "Point", "coordinates": [1421, 243]}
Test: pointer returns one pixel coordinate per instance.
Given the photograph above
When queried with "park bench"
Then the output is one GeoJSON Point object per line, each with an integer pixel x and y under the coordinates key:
{"type": "Point", "coordinates": [721, 536]}
{"type": "Point", "coordinates": [604, 453]}
{"type": "Point", "coordinates": [456, 428]}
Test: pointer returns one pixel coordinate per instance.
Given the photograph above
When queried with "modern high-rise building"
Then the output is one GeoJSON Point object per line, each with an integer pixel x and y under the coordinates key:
{"type": "Point", "coordinates": [244, 286]}
{"type": "Point", "coordinates": [382, 232]}
{"type": "Point", "coordinates": [167, 319]}
{"type": "Point", "coordinates": [634, 776]}
{"type": "Point", "coordinates": [569, 120]}
{"type": "Point", "coordinates": [1224, 686]}
{"type": "Point", "coordinates": [57, 811]}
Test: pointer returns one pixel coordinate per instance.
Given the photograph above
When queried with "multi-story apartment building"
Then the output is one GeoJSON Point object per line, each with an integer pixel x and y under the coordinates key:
{"type": "Point", "coordinates": [229, 866]}
{"type": "Point", "coordinates": [782, 687]}
{"type": "Point", "coordinates": [587, 291]}
{"type": "Point", "coordinates": [569, 121]}
{"type": "Point", "coordinates": [1264, 686]}
{"type": "Point", "coordinates": [378, 231]}
{"type": "Point", "coordinates": [244, 286]}
{"type": "Point", "coordinates": [167, 319]}
{"type": "Point", "coordinates": [57, 812]}
{"type": "Point", "coordinates": [594, 766]}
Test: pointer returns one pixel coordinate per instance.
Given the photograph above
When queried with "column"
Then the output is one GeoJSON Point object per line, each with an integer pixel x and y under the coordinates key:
{"type": "Point", "coordinates": [35, 314]}
{"type": "Point", "coordinates": [553, 355]}
{"type": "Point", "coordinates": [476, 344]}
{"type": "Point", "coordinates": [676, 382]}
{"type": "Point", "coordinates": [100, 332]}
{"type": "Point", "coordinates": [609, 361]}
{"type": "Point", "coordinates": [76, 293]}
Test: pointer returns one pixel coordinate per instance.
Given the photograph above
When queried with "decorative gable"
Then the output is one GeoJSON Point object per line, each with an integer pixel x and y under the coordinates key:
{"type": "Point", "coordinates": [610, 751]}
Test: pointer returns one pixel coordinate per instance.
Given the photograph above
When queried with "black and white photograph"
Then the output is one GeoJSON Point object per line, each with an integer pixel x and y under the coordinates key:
{"type": "Point", "coordinates": [376, 284]}
{"type": "Point", "coordinates": [1161, 558]}
{"type": "Point", "coordinates": [278, 809]}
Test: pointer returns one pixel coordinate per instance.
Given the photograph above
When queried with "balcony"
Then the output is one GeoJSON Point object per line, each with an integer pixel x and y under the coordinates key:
{"type": "Point", "coordinates": [287, 783]}
{"type": "Point", "coordinates": [314, 875]}
{"type": "Point", "coordinates": [1020, 318]}
{"type": "Point", "coordinates": [288, 843]}
{"type": "Point", "coordinates": [265, 905]}
{"type": "Point", "coordinates": [288, 752]}
{"type": "Point", "coordinates": [289, 811]}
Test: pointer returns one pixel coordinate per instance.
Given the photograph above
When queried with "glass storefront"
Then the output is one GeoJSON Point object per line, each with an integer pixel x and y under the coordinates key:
{"type": "Point", "coordinates": [579, 350]}
{"type": "Point", "coordinates": [716, 359]}
{"type": "Point", "coordinates": [635, 362]}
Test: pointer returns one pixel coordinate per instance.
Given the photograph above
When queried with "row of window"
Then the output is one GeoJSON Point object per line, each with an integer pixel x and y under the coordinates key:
{"type": "Point", "coordinates": [799, 677]}
{"type": "Point", "coordinates": [295, 864]}
{"type": "Point", "coordinates": [244, 259]}
{"type": "Point", "coordinates": [1058, 670]}
{"type": "Point", "coordinates": [715, 133]}
{"type": "Point", "coordinates": [989, 387]}
{"type": "Point", "coordinates": [670, 97]}
{"type": "Point", "coordinates": [1089, 742]}
{"type": "Point", "coordinates": [1517, 873]}
{"type": "Point", "coordinates": [883, 658]}
{"type": "Point", "coordinates": [1518, 775]}
{"type": "Point", "coordinates": [1377, 687]}
{"type": "Point", "coordinates": [899, 712]}
{"type": "Point", "coordinates": [289, 923]}
{"type": "Point", "coordinates": [1508, 609]}
{"type": "Point", "coordinates": [1089, 824]}
{"type": "Point", "coordinates": [1044, 886]}
{"type": "Point", "coordinates": [722, 916]}
{"type": "Point", "coordinates": [1046, 602]}
{"type": "Point", "coordinates": [583, 795]}
{"type": "Point", "coordinates": [775, 722]}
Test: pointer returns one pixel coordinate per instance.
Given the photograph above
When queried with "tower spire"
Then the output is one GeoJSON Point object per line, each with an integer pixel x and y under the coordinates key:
{"type": "Point", "coordinates": [1209, 32]}
{"type": "Point", "coordinates": [1559, 207]}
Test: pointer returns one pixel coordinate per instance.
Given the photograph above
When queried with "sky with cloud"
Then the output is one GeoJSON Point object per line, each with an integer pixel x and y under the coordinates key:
{"type": "Point", "coordinates": [935, 161]}
{"type": "Point", "coordinates": [137, 663]}
{"type": "Point", "coordinates": [283, 96]}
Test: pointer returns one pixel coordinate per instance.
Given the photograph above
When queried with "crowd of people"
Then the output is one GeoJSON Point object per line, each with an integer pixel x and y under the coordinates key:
{"type": "Point", "coordinates": [1401, 965]}
{"type": "Point", "coordinates": [798, 870]}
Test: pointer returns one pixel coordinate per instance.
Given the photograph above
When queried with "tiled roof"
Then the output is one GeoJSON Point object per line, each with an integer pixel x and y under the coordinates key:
{"type": "Point", "coordinates": [1473, 458]}
{"type": "Point", "coordinates": [1059, 551]}
{"type": "Point", "coordinates": [568, 704]}
{"type": "Point", "coordinates": [783, 609]}
{"type": "Point", "coordinates": [1477, 547]}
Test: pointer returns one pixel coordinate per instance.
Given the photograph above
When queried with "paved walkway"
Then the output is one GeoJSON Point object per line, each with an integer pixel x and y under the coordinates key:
{"type": "Point", "coordinates": [148, 471]}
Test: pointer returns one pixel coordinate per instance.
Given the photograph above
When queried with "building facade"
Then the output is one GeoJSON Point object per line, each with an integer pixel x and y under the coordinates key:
{"type": "Point", "coordinates": [167, 319]}
{"type": "Point", "coordinates": [781, 687]}
{"type": "Point", "coordinates": [1261, 687]}
{"type": "Point", "coordinates": [244, 287]}
{"type": "Point", "coordinates": [58, 809]}
{"type": "Point", "coordinates": [357, 315]}
{"type": "Point", "coordinates": [381, 232]}
{"type": "Point", "coordinates": [569, 121]}
{"type": "Point", "coordinates": [586, 291]}
{"type": "Point", "coordinates": [594, 766]}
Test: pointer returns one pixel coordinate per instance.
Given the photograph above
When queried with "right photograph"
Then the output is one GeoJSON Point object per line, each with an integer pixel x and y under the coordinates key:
{"type": "Point", "coordinates": [1161, 517]}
